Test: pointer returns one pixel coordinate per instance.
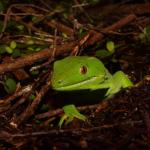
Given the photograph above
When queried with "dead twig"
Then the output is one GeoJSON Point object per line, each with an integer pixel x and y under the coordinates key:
{"type": "Point", "coordinates": [60, 27]}
{"type": "Point", "coordinates": [32, 58]}
{"type": "Point", "coordinates": [59, 111]}
{"type": "Point", "coordinates": [119, 24]}
{"type": "Point", "coordinates": [18, 93]}
{"type": "Point", "coordinates": [31, 108]}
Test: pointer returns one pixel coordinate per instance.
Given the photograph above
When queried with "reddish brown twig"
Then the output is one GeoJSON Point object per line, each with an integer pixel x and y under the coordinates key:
{"type": "Point", "coordinates": [119, 24]}
{"type": "Point", "coordinates": [60, 27]}
{"type": "Point", "coordinates": [32, 58]}
{"type": "Point", "coordinates": [60, 111]}
{"type": "Point", "coordinates": [31, 109]}
{"type": "Point", "coordinates": [81, 42]}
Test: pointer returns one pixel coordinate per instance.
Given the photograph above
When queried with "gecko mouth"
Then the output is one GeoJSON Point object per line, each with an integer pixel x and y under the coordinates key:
{"type": "Point", "coordinates": [84, 85]}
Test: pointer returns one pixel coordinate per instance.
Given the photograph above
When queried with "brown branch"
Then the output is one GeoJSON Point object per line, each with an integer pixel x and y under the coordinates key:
{"type": "Point", "coordinates": [30, 110]}
{"type": "Point", "coordinates": [132, 8]}
{"type": "Point", "coordinates": [18, 93]}
{"type": "Point", "coordinates": [119, 24]}
{"type": "Point", "coordinates": [5, 135]}
{"type": "Point", "coordinates": [59, 111]}
{"type": "Point", "coordinates": [32, 58]}
{"type": "Point", "coordinates": [138, 9]}
{"type": "Point", "coordinates": [60, 27]}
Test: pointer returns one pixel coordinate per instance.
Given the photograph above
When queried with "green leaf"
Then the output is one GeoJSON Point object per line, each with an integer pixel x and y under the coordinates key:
{"type": "Point", "coordinates": [35, 72]}
{"type": "Point", "coordinates": [64, 35]}
{"type": "Point", "coordinates": [70, 113]}
{"type": "Point", "coordinates": [13, 45]}
{"type": "Point", "coordinates": [20, 27]}
{"type": "Point", "coordinates": [103, 53]}
{"type": "Point", "coordinates": [30, 42]}
{"type": "Point", "coordinates": [110, 45]}
{"type": "Point", "coordinates": [37, 49]}
{"type": "Point", "coordinates": [31, 97]}
{"type": "Point", "coordinates": [16, 53]}
{"type": "Point", "coordinates": [35, 19]}
{"type": "Point", "coordinates": [10, 85]}
{"type": "Point", "coordinates": [9, 50]}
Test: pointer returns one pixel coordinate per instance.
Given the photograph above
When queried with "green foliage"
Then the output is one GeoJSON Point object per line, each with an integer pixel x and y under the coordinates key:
{"type": "Point", "coordinates": [103, 53]}
{"type": "Point", "coordinates": [110, 49]}
{"type": "Point", "coordinates": [64, 35]}
{"type": "Point", "coordinates": [35, 72]}
{"type": "Point", "coordinates": [110, 45]}
{"type": "Point", "coordinates": [16, 53]}
{"type": "Point", "coordinates": [9, 50]}
{"type": "Point", "coordinates": [10, 85]}
{"type": "Point", "coordinates": [30, 42]}
{"type": "Point", "coordinates": [17, 50]}
{"type": "Point", "coordinates": [11, 47]}
{"type": "Point", "coordinates": [145, 35]}
{"type": "Point", "coordinates": [31, 97]}
{"type": "Point", "coordinates": [20, 27]}
{"type": "Point", "coordinates": [70, 113]}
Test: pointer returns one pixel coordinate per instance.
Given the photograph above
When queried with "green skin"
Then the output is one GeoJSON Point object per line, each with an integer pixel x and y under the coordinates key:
{"type": "Point", "coordinates": [86, 73]}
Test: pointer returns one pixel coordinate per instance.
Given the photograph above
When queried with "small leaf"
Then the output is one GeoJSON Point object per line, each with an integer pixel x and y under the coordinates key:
{"type": "Point", "coordinates": [16, 53]}
{"type": "Point", "coordinates": [20, 27]}
{"type": "Point", "coordinates": [13, 45]}
{"type": "Point", "coordinates": [35, 72]}
{"type": "Point", "coordinates": [30, 48]}
{"type": "Point", "coordinates": [37, 49]}
{"type": "Point", "coordinates": [110, 45]}
{"type": "Point", "coordinates": [103, 53]}
{"type": "Point", "coordinates": [64, 35]}
{"type": "Point", "coordinates": [30, 42]}
{"type": "Point", "coordinates": [31, 97]}
{"type": "Point", "coordinates": [35, 19]}
{"type": "Point", "coordinates": [10, 85]}
{"type": "Point", "coordinates": [9, 50]}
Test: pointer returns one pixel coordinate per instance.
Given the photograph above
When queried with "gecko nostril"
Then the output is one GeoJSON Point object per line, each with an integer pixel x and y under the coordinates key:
{"type": "Point", "coordinates": [83, 70]}
{"type": "Point", "coordinates": [59, 81]}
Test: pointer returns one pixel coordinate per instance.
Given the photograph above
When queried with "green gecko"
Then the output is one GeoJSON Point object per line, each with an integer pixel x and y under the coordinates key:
{"type": "Point", "coordinates": [75, 73]}
{"type": "Point", "coordinates": [86, 73]}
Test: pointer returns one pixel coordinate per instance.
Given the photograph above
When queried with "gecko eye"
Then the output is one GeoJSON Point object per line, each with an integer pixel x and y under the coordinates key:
{"type": "Point", "coordinates": [83, 70]}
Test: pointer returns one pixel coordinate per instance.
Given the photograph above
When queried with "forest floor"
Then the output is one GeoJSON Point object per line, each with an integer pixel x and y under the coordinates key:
{"type": "Point", "coordinates": [34, 35]}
